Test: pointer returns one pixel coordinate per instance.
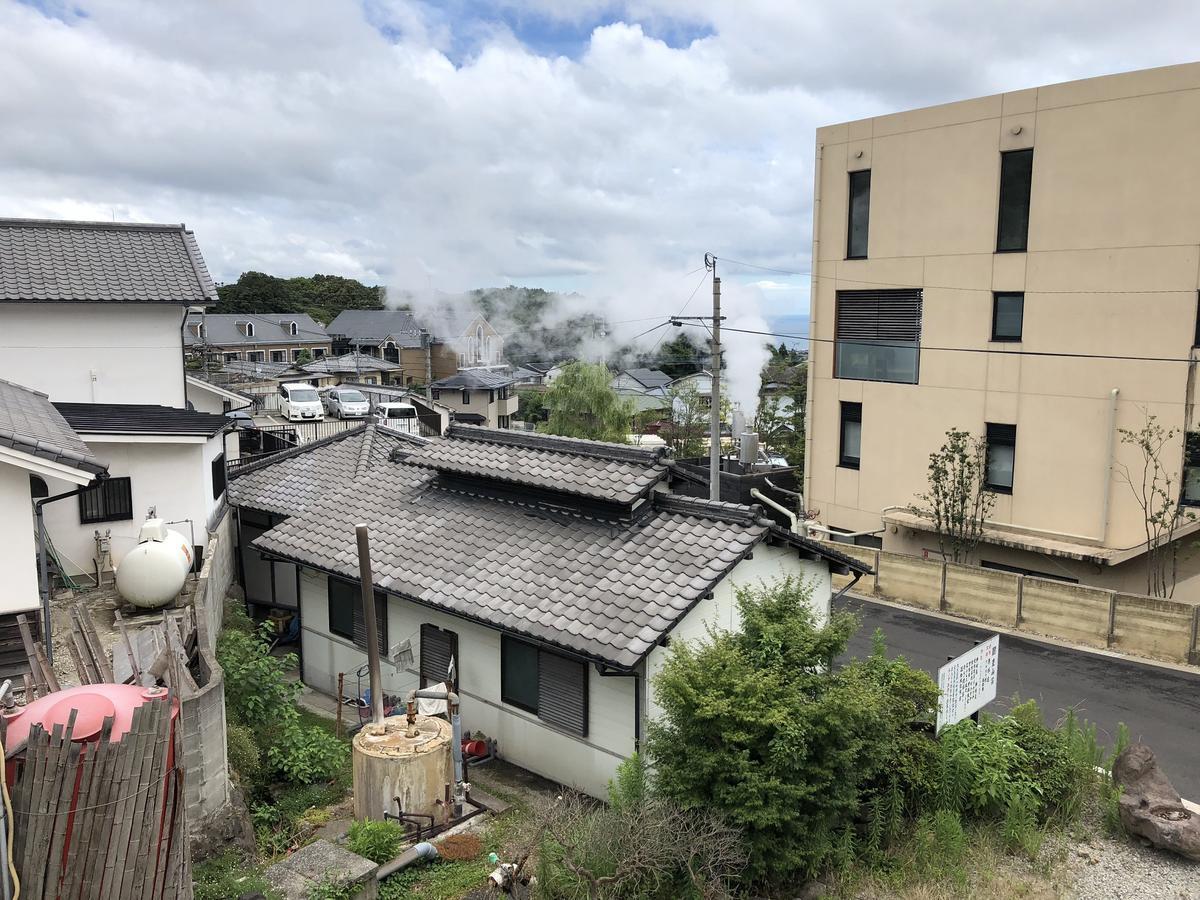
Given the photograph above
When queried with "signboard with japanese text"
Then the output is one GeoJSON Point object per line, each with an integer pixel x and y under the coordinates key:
{"type": "Point", "coordinates": [968, 683]}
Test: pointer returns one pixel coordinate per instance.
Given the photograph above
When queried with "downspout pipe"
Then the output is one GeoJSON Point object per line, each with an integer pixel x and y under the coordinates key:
{"type": "Point", "coordinates": [1106, 495]}
{"type": "Point", "coordinates": [452, 710]}
{"type": "Point", "coordinates": [44, 561]}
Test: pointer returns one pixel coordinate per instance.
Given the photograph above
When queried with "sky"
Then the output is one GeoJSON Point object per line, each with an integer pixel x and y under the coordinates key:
{"type": "Point", "coordinates": [580, 146]}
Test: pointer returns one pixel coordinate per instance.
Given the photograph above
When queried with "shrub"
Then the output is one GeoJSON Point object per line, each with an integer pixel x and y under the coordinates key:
{"type": "Point", "coordinates": [245, 759]}
{"type": "Point", "coordinates": [257, 689]}
{"type": "Point", "coordinates": [306, 754]}
{"type": "Point", "coordinates": [757, 728]}
{"type": "Point", "coordinates": [377, 841]}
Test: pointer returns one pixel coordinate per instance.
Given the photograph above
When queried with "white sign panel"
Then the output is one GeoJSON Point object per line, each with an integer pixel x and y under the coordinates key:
{"type": "Point", "coordinates": [968, 683]}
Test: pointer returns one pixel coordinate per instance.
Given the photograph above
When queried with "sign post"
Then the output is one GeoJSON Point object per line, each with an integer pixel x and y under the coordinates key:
{"type": "Point", "coordinates": [968, 682]}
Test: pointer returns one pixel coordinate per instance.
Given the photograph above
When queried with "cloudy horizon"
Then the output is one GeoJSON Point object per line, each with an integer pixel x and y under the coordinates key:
{"type": "Point", "coordinates": [460, 145]}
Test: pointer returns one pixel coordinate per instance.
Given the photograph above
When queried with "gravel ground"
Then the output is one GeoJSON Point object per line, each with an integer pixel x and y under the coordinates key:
{"type": "Point", "coordinates": [1103, 868]}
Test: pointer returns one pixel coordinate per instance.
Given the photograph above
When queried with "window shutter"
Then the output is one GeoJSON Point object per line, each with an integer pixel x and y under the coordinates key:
{"type": "Point", "coordinates": [360, 626]}
{"type": "Point", "coordinates": [438, 648]}
{"type": "Point", "coordinates": [562, 692]}
{"type": "Point", "coordinates": [879, 315]}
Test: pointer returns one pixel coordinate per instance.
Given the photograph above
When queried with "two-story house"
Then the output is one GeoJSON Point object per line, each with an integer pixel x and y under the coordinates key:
{"type": "Point", "coordinates": [259, 337]}
{"type": "Point", "coordinates": [92, 316]}
{"type": "Point", "coordinates": [1023, 267]}
{"type": "Point", "coordinates": [395, 336]}
{"type": "Point", "coordinates": [478, 397]}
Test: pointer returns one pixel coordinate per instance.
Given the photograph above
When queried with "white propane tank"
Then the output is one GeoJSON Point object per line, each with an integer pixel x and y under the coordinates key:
{"type": "Point", "coordinates": [152, 573]}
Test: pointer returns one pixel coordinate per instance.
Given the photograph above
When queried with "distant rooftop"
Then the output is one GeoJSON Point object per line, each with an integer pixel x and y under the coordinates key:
{"type": "Point", "coordinates": [229, 329]}
{"type": "Point", "coordinates": [89, 262]}
{"type": "Point", "coordinates": [474, 379]}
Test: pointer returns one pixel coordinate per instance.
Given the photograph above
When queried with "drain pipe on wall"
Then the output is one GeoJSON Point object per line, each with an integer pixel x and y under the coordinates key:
{"type": "Point", "coordinates": [44, 563]}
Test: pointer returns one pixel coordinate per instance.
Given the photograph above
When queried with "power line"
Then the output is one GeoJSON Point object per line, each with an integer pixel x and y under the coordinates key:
{"type": "Point", "coordinates": [923, 347]}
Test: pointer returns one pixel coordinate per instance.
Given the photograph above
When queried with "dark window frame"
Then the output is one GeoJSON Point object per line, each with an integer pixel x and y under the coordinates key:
{"type": "Point", "coordinates": [849, 412]}
{"type": "Point", "coordinates": [110, 500]}
{"type": "Point", "coordinates": [356, 620]}
{"type": "Point", "coordinates": [1018, 192]}
{"type": "Point", "coordinates": [282, 354]}
{"type": "Point", "coordinates": [887, 319]}
{"type": "Point", "coordinates": [863, 179]}
{"type": "Point", "coordinates": [508, 641]}
{"type": "Point", "coordinates": [1000, 435]}
{"type": "Point", "coordinates": [466, 398]}
{"type": "Point", "coordinates": [218, 475]}
{"type": "Point", "coordinates": [1001, 338]}
{"type": "Point", "coordinates": [1196, 338]}
{"type": "Point", "coordinates": [427, 678]}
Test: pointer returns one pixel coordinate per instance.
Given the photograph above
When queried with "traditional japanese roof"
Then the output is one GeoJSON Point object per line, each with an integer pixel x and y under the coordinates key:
{"type": "Point", "coordinates": [649, 378]}
{"type": "Point", "coordinates": [374, 326]}
{"type": "Point", "coordinates": [594, 469]}
{"type": "Point", "coordinates": [30, 423]}
{"type": "Point", "coordinates": [290, 482]}
{"type": "Point", "coordinates": [228, 329]}
{"type": "Point", "coordinates": [474, 380]}
{"type": "Point", "coordinates": [140, 418]}
{"type": "Point", "coordinates": [350, 362]}
{"type": "Point", "coordinates": [63, 261]}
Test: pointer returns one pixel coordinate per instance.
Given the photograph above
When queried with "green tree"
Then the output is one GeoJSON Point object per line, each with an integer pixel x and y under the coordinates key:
{"type": "Point", "coordinates": [303, 357]}
{"type": "Point", "coordinates": [321, 296]}
{"type": "Point", "coordinates": [677, 357]}
{"type": "Point", "coordinates": [531, 405]}
{"type": "Point", "coordinates": [757, 727]}
{"type": "Point", "coordinates": [958, 501]}
{"type": "Point", "coordinates": [688, 427]}
{"type": "Point", "coordinates": [581, 403]}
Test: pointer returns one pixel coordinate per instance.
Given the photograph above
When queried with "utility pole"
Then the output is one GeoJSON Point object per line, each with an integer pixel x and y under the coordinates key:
{"type": "Point", "coordinates": [427, 343]}
{"type": "Point", "coordinates": [714, 450]}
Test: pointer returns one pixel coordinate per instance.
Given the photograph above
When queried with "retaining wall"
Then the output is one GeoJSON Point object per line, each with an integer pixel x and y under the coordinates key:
{"type": "Point", "coordinates": [1095, 617]}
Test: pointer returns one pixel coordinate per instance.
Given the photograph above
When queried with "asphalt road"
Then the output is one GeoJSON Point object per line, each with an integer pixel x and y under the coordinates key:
{"type": "Point", "coordinates": [1160, 706]}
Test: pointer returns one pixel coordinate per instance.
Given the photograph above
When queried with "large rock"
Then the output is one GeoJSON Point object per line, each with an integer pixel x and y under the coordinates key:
{"type": "Point", "coordinates": [1151, 807]}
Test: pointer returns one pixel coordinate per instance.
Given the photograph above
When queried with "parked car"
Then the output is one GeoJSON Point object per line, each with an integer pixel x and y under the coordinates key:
{"type": "Point", "coordinates": [298, 401]}
{"type": "Point", "coordinates": [346, 403]}
{"type": "Point", "coordinates": [398, 416]}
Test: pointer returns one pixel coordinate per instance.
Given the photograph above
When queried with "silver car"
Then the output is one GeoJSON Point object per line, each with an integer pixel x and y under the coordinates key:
{"type": "Point", "coordinates": [346, 403]}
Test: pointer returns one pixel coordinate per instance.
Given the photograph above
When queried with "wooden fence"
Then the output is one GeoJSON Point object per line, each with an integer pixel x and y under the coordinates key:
{"type": "Point", "coordinates": [1097, 617]}
{"type": "Point", "coordinates": [102, 818]}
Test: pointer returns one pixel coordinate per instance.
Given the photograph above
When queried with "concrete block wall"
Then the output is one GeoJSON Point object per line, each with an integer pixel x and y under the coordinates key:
{"type": "Point", "coordinates": [202, 734]}
{"type": "Point", "coordinates": [216, 575]}
{"type": "Point", "coordinates": [1096, 617]}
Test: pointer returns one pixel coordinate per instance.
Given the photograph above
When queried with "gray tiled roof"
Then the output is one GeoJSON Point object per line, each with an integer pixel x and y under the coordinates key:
{"type": "Point", "coordinates": [350, 362]}
{"type": "Point", "coordinates": [30, 423]}
{"type": "Point", "coordinates": [43, 260]}
{"type": "Point", "coordinates": [594, 469]}
{"type": "Point", "coordinates": [474, 379]}
{"type": "Point", "coordinates": [140, 418]}
{"type": "Point", "coordinates": [649, 378]}
{"type": "Point", "coordinates": [245, 370]}
{"type": "Point", "coordinates": [290, 482]}
{"type": "Point", "coordinates": [607, 591]}
{"type": "Point", "coordinates": [372, 326]}
{"type": "Point", "coordinates": [221, 329]}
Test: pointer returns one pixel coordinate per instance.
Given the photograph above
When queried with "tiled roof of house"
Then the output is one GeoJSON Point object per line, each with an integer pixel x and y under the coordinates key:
{"type": "Point", "coordinates": [287, 483]}
{"type": "Point", "coordinates": [228, 329]}
{"type": "Point", "coordinates": [474, 379]}
{"type": "Point", "coordinates": [350, 362]}
{"type": "Point", "coordinates": [373, 326]}
{"type": "Point", "coordinates": [593, 469]}
{"type": "Point", "coordinates": [649, 378]}
{"type": "Point", "coordinates": [140, 418]}
{"type": "Point", "coordinates": [247, 370]}
{"type": "Point", "coordinates": [64, 261]}
{"type": "Point", "coordinates": [30, 423]}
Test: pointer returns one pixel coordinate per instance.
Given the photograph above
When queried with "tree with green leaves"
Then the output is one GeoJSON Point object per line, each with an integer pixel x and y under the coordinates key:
{"type": "Point", "coordinates": [757, 727]}
{"type": "Point", "coordinates": [582, 404]}
{"type": "Point", "coordinates": [304, 357]}
{"type": "Point", "coordinates": [688, 427]}
{"type": "Point", "coordinates": [1157, 494]}
{"type": "Point", "coordinates": [531, 405]}
{"type": "Point", "coordinates": [958, 501]}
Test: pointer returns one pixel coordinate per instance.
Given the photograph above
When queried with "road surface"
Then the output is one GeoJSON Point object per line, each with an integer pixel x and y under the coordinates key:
{"type": "Point", "coordinates": [1160, 706]}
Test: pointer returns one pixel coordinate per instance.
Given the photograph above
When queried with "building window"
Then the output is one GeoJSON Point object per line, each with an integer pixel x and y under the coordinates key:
{"type": "Point", "coordinates": [1196, 339]}
{"type": "Point", "coordinates": [858, 214]}
{"type": "Point", "coordinates": [232, 357]}
{"type": "Point", "coordinates": [246, 328]}
{"type": "Point", "coordinates": [551, 686]}
{"type": "Point", "coordinates": [218, 475]}
{"type": "Point", "coordinates": [1008, 312]}
{"type": "Point", "coordinates": [851, 439]}
{"type": "Point", "coordinates": [1001, 454]}
{"type": "Point", "coordinates": [466, 398]}
{"type": "Point", "coordinates": [254, 356]}
{"type": "Point", "coordinates": [435, 394]}
{"type": "Point", "coordinates": [110, 500]}
{"type": "Point", "coordinates": [345, 614]}
{"type": "Point", "coordinates": [1016, 177]}
{"type": "Point", "coordinates": [878, 335]}
{"type": "Point", "coordinates": [318, 352]}
{"type": "Point", "coordinates": [278, 356]}
{"type": "Point", "coordinates": [502, 422]}
{"type": "Point", "coordinates": [296, 354]}
{"type": "Point", "coordinates": [1191, 470]}
{"type": "Point", "coordinates": [439, 656]}
{"type": "Point", "coordinates": [292, 329]}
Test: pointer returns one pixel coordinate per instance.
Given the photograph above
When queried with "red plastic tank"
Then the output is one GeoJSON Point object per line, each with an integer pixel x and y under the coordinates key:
{"type": "Point", "coordinates": [93, 702]}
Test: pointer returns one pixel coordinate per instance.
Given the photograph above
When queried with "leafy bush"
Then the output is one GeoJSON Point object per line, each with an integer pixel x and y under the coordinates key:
{"type": "Point", "coordinates": [306, 754]}
{"type": "Point", "coordinates": [245, 759]}
{"type": "Point", "coordinates": [377, 841]}
{"type": "Point", "coordinates": [757, 728]}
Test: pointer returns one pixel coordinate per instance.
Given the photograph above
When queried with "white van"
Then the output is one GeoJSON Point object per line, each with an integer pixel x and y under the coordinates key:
{"type": "Point", "coordinates": [298, 401]}
{"type": "Point", "coordinates": [397, 416]}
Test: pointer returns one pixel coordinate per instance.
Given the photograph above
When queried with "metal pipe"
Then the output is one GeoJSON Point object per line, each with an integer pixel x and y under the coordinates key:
{"type": "Point", "coordinates": [824, 529]}
{"type": "Point", "coordinates": [368, 604]}
{"type": "Point", "coordinates": [452, 712]}
{"type": "Point", "coordinates": [759, 495]}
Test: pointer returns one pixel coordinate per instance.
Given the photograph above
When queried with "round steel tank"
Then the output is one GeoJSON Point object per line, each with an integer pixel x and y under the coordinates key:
{"type": "Point", "coordinates": [413, 763]}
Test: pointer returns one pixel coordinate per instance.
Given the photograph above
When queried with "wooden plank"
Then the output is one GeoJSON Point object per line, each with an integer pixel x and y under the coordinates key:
{"type": "Point", "coordinates": [148, 804]}
{"type": "Point", "coordinates": [133, 661]}
{"type": "Point", "coordinates": [33, 859]}
{"type": "Point", "coordinates": [47, 669]}
{"type": "Point", "coordinates": [83, 834]}
{"type": "Point", "coordinates": [103, 826]}
{"type": "Point", "coordinates": [58, 864]}
{"type": "Point", "coordinates": [118, 847]}
{"type": "Point", "coordinates": [78, 661]}
{"type": "Point", "coordinates": [38, 850]}
{"type": "Point", "coordinates": [35, 665]}
{"type": "Point", "coordinates": [99, 654]}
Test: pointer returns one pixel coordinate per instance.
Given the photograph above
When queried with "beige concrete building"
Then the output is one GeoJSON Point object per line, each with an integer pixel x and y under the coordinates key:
{"type": "Point", "coordinates": [1024, 267]}
{"type": "Point", "coordinates": [478, 397]}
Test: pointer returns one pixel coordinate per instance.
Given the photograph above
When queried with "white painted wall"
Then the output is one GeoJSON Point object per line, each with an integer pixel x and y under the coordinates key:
{"type": "Point", "coordinates": [18, 549]}
{"type": "Point", "coordinates": [584, 763]}
{"type": "Point", "coordinates": [174, 477]}
{"type": "Point", "coordinates": [94, 352]}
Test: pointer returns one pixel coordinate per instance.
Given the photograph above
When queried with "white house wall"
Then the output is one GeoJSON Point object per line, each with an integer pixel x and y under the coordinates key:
{"type": "Point", "coordinates": [94, 353]}
{"type": "Point", "coordinates": [584, 763]}
{"type": "Point", "coordinates": [176, 478]}
{"type": "Point", "coordinates": [768, 564]}
{"type": "Point", "coordinates": [18, 550]}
